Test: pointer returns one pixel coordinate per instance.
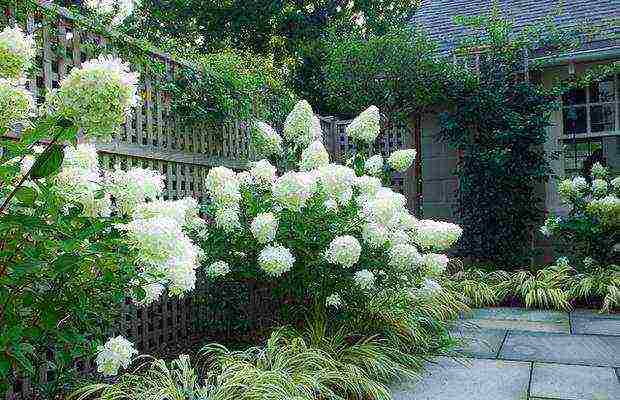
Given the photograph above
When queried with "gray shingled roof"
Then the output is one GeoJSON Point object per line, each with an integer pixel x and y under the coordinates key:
{"type": "Point", "coordinates": [436, 16]}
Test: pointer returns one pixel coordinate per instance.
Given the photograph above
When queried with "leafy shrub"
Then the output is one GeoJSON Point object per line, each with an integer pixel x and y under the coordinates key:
{"type": "Point", "coordinates": [592, 226]}
{"type": "Point", "coordinates": [70, 248]}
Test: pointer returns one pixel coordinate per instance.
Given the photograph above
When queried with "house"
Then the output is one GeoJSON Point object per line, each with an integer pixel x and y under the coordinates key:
{"type": "Point", "coordinates": [586, 129]}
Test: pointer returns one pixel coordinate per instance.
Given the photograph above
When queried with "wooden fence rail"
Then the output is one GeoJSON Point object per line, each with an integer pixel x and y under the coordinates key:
{"type": "Point", "coordinates": [154, 138]}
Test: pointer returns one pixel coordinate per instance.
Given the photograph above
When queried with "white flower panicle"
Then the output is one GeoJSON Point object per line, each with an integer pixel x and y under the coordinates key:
{"type": "Point", "coordinates": [429, 288]}
{"type": "Point", "coordinates": [337, 182]}
{"type": "Point", "coordinates": [17, 52]}
{"type": "Point", "coordinates": [265, 139]}
{"type": "Point", "coordinates": [404, 256]}
{"type": "Point", "coordinates": [217, 269]}
{"type": "Point", "coordinates": [264, 227]}
{"type": "Point", "coordinates": [384, 208]}
{"type": "Point", "coordinates": [374, 165]}
{"type": "Point", "coordinates": [401, 160]}
{"type": "Point", "coordinates": [606, 208]}
{"type": "Point", "coordinates": [399, 236]}
{"type": "Point", "coordinates": [364, 279]}
{"type": "Point", "coordinates": [134, 186]}
{"type": "Point", "coordinates": [263, 173]}
{"type": "Point", "coordinates": [436, 235]}
{"type": "Point", "coordinates": [293, 189]}
{"type": "Point", "coordinates": [435, 264]}
{"type": "Point", "coordinates": [301, 126]}
{"type": "Point", "coordinates": [275, 260]}
{"type": "Point", "coordinates": [98, 96]}
{"type": "Point", "coordinates": [333, 300]}
{"type": "Point", "coordinates": [84, 155]}
{"type": "Point", "coordinates": [598, 171]}
{"type": "Point", "coordinates": [245, 179]}
{"type": "Point", "coordinates": [119, 10]}
{"type": "Point", "coordinates": [368, 185]}
{"type": "Point", "coordinates": [183, 211]}
{"type": "Point", "coordinates": [227, 219]}
{"type": "Point", "coordinates": [223, 186]}
{"type": "Point", "coordinates": [344, 251]}
{"type": "Point", "coordinates": [365, 127]}
{"type": "Point", "coordinates": [152, 292]}
{"type": "Point", "coordinates": [16, 105]}
{"type": "Point", "coordinates": [375, 235]}
{"type": "Point", "coordinates": [117, 352]}
{"type": "Point", "coordinates": [599, 187]}
{"type": "Point", "coordinates": [408, 222]}
{"type": "Point", "coordinates": [314, 156]}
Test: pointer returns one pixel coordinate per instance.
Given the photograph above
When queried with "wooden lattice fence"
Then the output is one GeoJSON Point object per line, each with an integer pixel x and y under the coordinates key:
{"type": "Point", "coordinates": [154, 138]}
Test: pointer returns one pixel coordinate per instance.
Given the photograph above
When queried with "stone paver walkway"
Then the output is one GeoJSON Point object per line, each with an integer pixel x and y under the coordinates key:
{"type": "Point", "coordinates": [518, 354]}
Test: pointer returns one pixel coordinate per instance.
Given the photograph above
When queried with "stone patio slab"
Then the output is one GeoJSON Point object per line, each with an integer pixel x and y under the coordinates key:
{"type": "Point", "coordinates": [598, 326]}
{"type": "Point", "coordinates": [467, 379]}
{"type": "Point", "coordinates": [574, 382]}
{"type": "Point", "coordinates": [481, 343]}
{"type": "Point", "coordinates": [519, 314]}
{"type": "Point", "coordinates": [602, 351]}
{"type": "Point", "coordinates": [522, 325]}
{"type": "Point", "coordinates": [583, 313]}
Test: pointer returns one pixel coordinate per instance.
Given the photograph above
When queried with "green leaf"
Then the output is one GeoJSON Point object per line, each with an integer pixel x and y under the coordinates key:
{"type": "Point", "coordinates": [48, 163]}
{"type": "Point", "coordinates": [26, 195]}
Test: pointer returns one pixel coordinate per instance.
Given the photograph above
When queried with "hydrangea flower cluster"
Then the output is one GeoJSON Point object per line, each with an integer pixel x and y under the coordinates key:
{"type": "Point", "coordinates": [364, 279]}
{"type": "Point", "coordinates": [118, 9]}
{"type": "Point", "coordinates": [17, 52]}
{"type": "Point", "coordinates": [314, 156]}
{"type": "Point", "coordinates": [333, 300]}
{"type": "Point", "coordinates": [436, 235]}
{"type": "Point", "coordinates": [263, 174]}
{"type": "Point", "coordinates": [16, 105]}
{"type": "Point", "coordinates": [217, 269]}
{"type": "Point", "coordinates": [183, 211]}
{"type": "Point", "coordinates": [344, 251]}
{"type": "Point", "coordinates": [264, 227]}
{"type": "Point", "coordinates": [117, 352]}
{"type": "Point", "coordinates": [401, 160]}
{"type": "Point", "coordinates": [275, 260]}
{"type": "Point", "coordinates": [98, 96]}
{"type": "Point", "coordinates": [337, 182]}
{"type": "Point", "coordinates": [302, 126]}
{"type": "Point", "coordinates": [133, 187]}
{"type": "Point", "coordinates": [374, 165]}
{"type": "Point", "coordinates": [435, 264]}
{"type": "Point", "coordinates": [293, 189]}
{"type": "Point", "coordinates": [265, 139]}
{"type": "Point", "coordinates": [570, 189]}
{"type": "Point", "coordinates": [365, 127]}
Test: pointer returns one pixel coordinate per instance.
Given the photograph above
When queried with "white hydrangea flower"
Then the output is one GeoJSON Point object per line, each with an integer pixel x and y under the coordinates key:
{"type": "Point", "coordinates": [301, 126]}
{"type": "Point", "coordinates": [403, 256]}
{"type": "Point", "coordinates": [276, 260]}
{"type": "Point", "coordinates": [435, 264]}
{"type": "Point", "coordinates": [263, 173]}
{"type": "Point", "coordinates": [384, 208]}
{"type": "Point", "coordinates": [119, 10]}
{"type": "Point", "coordinates": [337, 182]}
{"type": "Point", "coordinates": [16, 105]}
{"type": "Point", "coordinates": [436, 234]}
{"type": "Point", "coordinates": [152, 292]}
{"type": "Point", "coordinates": [333, 300]}
{"type": "Point", "coordinates": [293, 189]}
{"type": "Point", "coordinates": [365, 127]}
{"type": "Point", "coordinates": [374, 165]}
{"type": "Point", "coordinates": [399, 236]}
{"type": "Point", "coordinates": [607, 208]}
{"type": "Point", "coordinates": [368, 185]}
{"type": "Point", "coordinates": [580, 184]}
{"type": "Point", "coordinates": [245, 179]}
{"type": "Point", "coordinates": [217, 269]}
{"type": "Point", "coordinates": [83, 155]}
{"type": "Point", "coordinates": [401, 160]}
{"type": "Point", "coordinates": [84, 187]}
{"type": "Point", "coordinates": [17, 53]}
{"type": "Point", "coordinates": [223, 186]}
{"type": "Point", "coordinates": [183, 211]}
{"type": "Point", "coordinates": [117, 352]}
{"type": "Point", "coordinates": [364, 279]}
{"type": "Point", "coordinates": [264, 227]}
{"type": "Point", "coordinates": [314, 156]}
{"type": "Point", "coordinates": [98, 96]}
{"type": "Point", "coordinates": [134, 186]}
{"type": "Point", "coordinates": [344, 251]}
{"type": "Point", "coordinates": [181, 273]}
{"type": "Point", "coordinates": [599, 187]}
{"type": "Point", "coordinates": [408, 222]}
{"type": "Point", "coordinates": [375, 235]}
{"type": "Point", "coordinates": [265, 139]}
{"type": "Point", "coordinates": [227, 219]}
{"type": "Point", "coordinates": [598, 171]}
{"type": "Point", "coordinates": [155, 240]}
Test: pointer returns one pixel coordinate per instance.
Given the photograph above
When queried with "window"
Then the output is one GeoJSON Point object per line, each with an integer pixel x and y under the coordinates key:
{"type": "Point", "coordinates": [590, 123]}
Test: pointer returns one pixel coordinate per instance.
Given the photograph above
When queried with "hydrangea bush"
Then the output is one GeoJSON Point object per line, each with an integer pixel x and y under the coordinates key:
{"type": "Point", "coordinates": [318, 231]}
{"type": "Point", "coordinates": [591, 227]}
{"type": "Point", "coordinates": [76, 241]}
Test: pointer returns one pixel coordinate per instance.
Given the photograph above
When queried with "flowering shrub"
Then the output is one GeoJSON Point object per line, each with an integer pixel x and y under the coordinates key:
{"type": "Point", "coordinates": [317, 231]}
{"type": "Point", "coordinates": [17, 52]}
{"type": "Point", "coordinates": [592, 226]}
{"type": "Point", "coordinates": [75, 241]}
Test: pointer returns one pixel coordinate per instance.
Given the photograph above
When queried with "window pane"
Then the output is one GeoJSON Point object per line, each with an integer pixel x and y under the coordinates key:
{"type": "Point", "coordinates": [574, 96]}
{"type": "Point", "coordinates": [580, 154]}
{"type": "Point", "coordinates": [602, 118]}
{"type": "Point", "coordinates": [575, 120]}
{"type": "Point", "coordinates": [601, 92]}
